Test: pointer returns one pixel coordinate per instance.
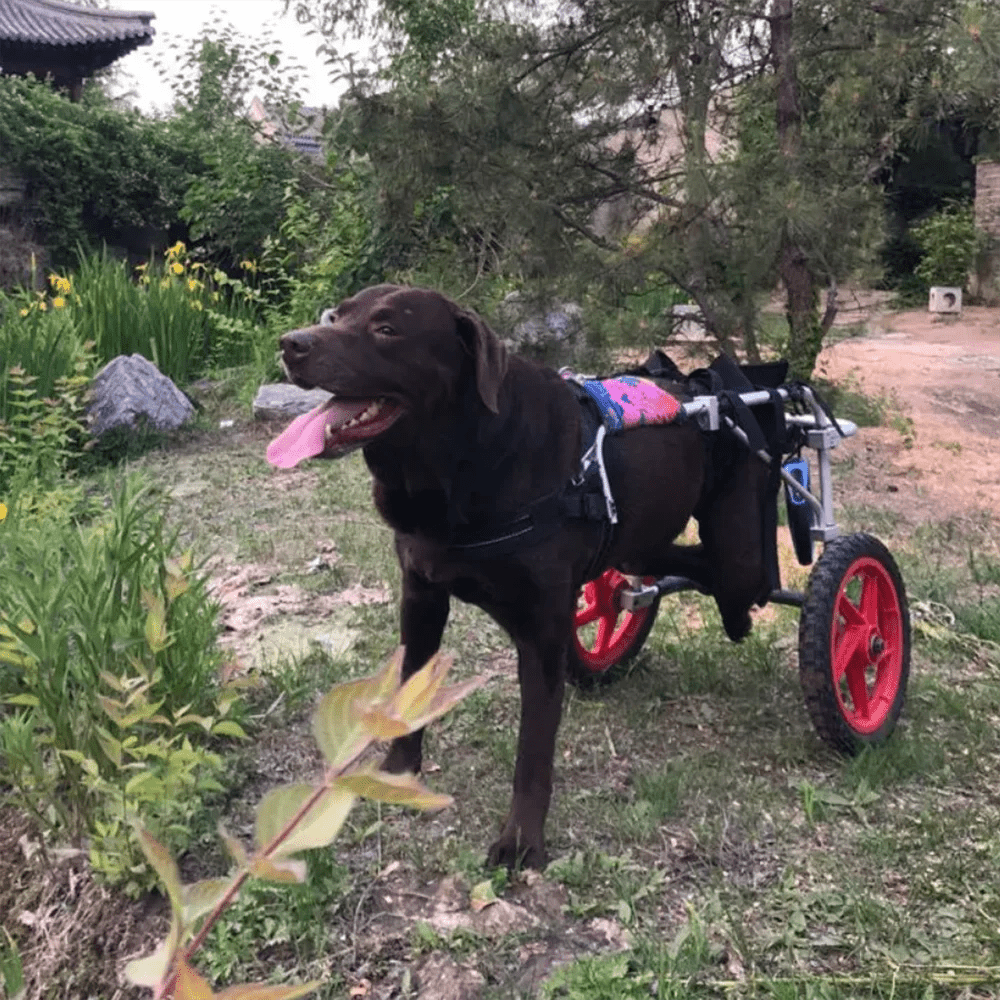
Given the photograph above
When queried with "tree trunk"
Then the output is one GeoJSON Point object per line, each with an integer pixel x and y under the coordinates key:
{"type": "Point", "coordinates": [805, 331]}
{"type": "Point", "coordinates": [697, 72]}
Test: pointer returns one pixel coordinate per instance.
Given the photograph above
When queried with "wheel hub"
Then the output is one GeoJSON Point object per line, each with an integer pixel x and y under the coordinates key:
{"type": "Point", "coordinates": [876, 646]}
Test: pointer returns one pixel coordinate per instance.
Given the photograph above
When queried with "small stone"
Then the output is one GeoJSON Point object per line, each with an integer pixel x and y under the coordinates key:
{"type": "Point", "coordinates": [283, 401]}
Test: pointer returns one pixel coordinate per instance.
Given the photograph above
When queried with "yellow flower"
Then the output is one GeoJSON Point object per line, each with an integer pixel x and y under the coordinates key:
{"type": "Point", "coordinates": [249, 265]}
{"type": "Point", "coordinates": [177, 267]}
{"type": "Point", "coordinates": [60, 284]}
{"type": "Point", "coordinates": [24, 312]}
{"type": "Point", "coordinates": [176, 250]}
{"type": "Point", "coordinates": [193, 284]}
{"type": "Point", "coordinates": [3, 511]}
{"type": "Point", "coordinates": [58, 302]}
{"type": "Point", "coordinates": [43, 306]}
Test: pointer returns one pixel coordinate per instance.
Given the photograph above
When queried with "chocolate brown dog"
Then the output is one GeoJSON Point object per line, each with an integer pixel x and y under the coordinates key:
{"type": "Point", "coordinates": [461, 439]}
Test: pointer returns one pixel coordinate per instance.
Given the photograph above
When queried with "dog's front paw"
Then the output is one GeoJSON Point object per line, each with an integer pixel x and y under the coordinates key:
{"type": "Point", "coordinates": [511, 852]}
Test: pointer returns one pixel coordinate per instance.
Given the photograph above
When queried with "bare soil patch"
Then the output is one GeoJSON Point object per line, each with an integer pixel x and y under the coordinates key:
{"type": "Point", "coordinates": [939, 379]}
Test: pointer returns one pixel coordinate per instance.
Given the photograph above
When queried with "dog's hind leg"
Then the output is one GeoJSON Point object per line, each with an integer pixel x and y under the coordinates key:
{"type": "Point", "coordinates": [423, 614]}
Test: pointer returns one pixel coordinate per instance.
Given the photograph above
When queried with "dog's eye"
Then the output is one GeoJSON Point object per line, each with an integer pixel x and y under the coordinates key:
{"type": "Point", "coordinates": [385, 330]}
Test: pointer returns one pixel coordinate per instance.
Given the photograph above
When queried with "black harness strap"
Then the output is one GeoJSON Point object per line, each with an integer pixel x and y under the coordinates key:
{"type": "Point", "coordinates": [581, 499]}
{"type": "Point", "coordinates": [502, 535]}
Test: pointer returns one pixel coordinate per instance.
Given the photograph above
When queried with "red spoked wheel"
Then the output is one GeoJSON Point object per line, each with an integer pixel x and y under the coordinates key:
{"type": "Point", "coordinates": [605, 637]}
{"type": "Point", "coordinates": [854, 643]}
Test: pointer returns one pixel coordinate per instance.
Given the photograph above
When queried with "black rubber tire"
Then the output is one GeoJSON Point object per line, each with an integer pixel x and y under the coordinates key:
{"type": "Point", "coordinates": [875, 652]}
{"type": "Point", "coordinates": [588, 676]}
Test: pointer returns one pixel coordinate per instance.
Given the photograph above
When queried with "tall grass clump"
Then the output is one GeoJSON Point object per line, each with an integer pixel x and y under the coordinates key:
{"type": "Point", "coordinates": [38, 335]}
{"type": "Point", "coordinates": [184, 316]}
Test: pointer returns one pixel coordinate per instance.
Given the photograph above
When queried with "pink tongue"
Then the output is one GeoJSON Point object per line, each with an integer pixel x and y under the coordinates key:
{"type": "Point", "coordinates": [305, 436]}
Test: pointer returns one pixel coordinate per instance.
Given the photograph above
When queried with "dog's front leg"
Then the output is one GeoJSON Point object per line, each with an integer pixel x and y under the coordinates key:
{"type": "Point", "coordinates": [541, 671]}
{"type": "Point", "coordinates": [423, 615]}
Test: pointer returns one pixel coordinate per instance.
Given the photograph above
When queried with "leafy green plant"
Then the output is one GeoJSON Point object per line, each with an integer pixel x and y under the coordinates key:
{"type": "Point", "coordinates": [295, 818]}
{"type": "Point", "coordinates": [950, 242]}
{"type": "Point", "coordinates": [40, 436]}
{"type": "Point", "coordinates": [107, 605]}
{"type": "Point", "coordinates": [325, 248]}
{"type": "Point", "coordinates": [11, 969]}
{"type": "Point", "coordinates": [158, 776]}
{"type": "Point", "coordinates": [203, 164]}
{"type": "Point", "coordinates": [264, 915]}
{"type": "Point", "coordinates": [38, 334]}
{"type": "Point", "coordinates": [608, 976]}
{"type": "Point", "coordinates": [233, 199]}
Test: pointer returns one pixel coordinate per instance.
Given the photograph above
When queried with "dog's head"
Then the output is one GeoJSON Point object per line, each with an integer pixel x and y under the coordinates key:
{"type": "Point", "coordinates": [387, 352]}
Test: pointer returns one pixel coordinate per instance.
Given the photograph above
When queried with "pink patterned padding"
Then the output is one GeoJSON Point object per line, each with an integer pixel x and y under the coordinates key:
{"type": "Point", "coordinates": [630, 401]}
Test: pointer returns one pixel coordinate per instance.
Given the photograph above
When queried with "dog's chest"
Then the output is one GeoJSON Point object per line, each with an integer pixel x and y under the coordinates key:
{"type": "Point", "coordinates": [480, 583]}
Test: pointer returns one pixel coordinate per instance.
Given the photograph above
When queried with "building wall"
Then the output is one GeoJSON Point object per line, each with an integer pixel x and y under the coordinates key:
{"type": "Point", "coordinates": [985, 283]}
{"type": "Point", "coordinates": [988, 197]}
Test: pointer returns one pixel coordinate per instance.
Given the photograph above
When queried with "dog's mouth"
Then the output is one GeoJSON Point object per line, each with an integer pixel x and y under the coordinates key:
{"type": "Point", "coordinates": [332, 429]}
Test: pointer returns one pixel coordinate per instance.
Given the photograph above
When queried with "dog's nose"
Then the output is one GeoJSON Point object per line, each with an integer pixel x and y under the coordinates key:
{"type": "Point", "coordinates": [298, 343]}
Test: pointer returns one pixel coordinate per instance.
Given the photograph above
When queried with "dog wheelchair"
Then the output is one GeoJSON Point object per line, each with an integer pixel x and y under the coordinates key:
{"type": "Point", "coordinates": [854, 626]}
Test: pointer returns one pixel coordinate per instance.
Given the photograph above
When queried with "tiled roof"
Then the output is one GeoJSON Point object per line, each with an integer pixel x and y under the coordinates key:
{"type": "Point", "coordinates": [56, 22]}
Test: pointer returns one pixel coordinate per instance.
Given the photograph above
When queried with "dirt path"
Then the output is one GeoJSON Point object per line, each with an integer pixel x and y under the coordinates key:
{"type": "Point", "coordinates": [939, 380]}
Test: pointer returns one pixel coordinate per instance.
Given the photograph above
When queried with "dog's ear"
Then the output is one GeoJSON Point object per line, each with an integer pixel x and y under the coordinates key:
{"type": "Point", "coordinates": [489, 353]}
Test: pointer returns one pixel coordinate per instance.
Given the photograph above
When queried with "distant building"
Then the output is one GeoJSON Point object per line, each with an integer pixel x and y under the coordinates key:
{"type": "Point", "coordinates": [303, 133]}
{"type": "Point", "coordinates": [66, 42]}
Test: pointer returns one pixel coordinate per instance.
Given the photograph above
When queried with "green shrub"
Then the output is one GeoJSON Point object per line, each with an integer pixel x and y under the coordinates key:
{"type": "Point", "coordinates": [324, 249]}
{"type": "Point", "coordinates": [950, 242]}
{"type": "Point", "coordinates": [91, 168]}
{"type": "Point", "coordinates": [109, 677]}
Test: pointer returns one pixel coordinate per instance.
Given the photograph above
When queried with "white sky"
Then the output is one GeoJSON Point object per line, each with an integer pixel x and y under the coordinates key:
{"type": "Point", "coordinates": [184, 19]}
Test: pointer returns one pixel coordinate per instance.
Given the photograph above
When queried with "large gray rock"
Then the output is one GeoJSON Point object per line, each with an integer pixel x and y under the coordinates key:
{"type": "Point", "coordinates": [129, 391]}
{"type": "Point", "coordinates": [283, 401]}
{"type": "Point", "coordinates": [533, 327]}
